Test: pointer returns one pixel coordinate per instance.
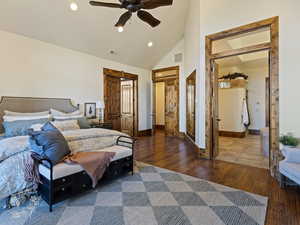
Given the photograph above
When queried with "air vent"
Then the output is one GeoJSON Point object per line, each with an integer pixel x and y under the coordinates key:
{"type": "Point", "coordinates": [178, 57]}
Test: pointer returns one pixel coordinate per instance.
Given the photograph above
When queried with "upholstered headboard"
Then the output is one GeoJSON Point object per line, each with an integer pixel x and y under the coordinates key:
{"type": "Point", "coordinates": [27, 105]}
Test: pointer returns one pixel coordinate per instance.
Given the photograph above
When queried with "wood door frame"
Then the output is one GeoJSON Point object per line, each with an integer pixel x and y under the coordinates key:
{"type": "Point", "coordinates": [135, 79]}
{"type": "Point", "coordinates": [194, 73]}
{"type": "Point", "coordinates": [273, 47]}
{"type": "Point", "coordinates": [164, 79]}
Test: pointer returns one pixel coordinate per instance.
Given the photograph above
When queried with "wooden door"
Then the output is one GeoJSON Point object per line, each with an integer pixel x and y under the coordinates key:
{"type": "Point", "coordinates": [127, 107]}
{"type": "Point", "coordinates": [190, 105]}
{"type": "Point", "coordinates": [153, 107]}
{"type": "Point", "coordinates": [171, 107]}
{"type": "Point", "coordinates": [215, 109]}
{"type": "Point", "coordinates": [112, 86]}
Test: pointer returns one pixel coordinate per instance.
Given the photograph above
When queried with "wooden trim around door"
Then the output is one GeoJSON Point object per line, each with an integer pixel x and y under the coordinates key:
{"type": "Point", "coordinates": [193, 75]}
{"type": "Point", "coordinates": [164, 79]}
{"type": "Point", "coordinates": [129, 76]}
{"type": "Point", "coordinates": [273, 47]}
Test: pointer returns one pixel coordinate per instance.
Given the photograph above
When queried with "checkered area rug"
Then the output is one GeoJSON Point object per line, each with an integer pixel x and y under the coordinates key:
{"type": "Point", "coordinates": [153, 196]}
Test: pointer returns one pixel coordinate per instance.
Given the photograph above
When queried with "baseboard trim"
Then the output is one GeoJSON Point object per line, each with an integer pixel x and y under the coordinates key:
{"type": "Point", "coordinates": [145, 133]}
{"type": "Point", "coordinates": [200, 151]}
{"type": "Point", "coordinates": [232, 134]}
{"type": "Point", "coordinates": [254, 132]}
{"type": "Point", "coordinates": [160, 127]}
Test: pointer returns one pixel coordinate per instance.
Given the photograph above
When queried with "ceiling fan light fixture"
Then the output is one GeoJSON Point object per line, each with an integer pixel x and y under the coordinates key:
{"type": "Point", "coordinates": [74, 6]}
{"type": "Point", "coordinates": [120, 29]}
{"type": "Point", "coordinates": [150, 44]}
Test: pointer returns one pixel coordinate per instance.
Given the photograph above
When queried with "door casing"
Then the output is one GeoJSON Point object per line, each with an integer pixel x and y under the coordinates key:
{"type": "Point", "coordinates": [165, 79]}
{"type": "Point", "coordinates": [191, 109]}
{"type": "Point", "coordinates": [273, 47]}
{"type": "Point", "coordinates": [120, 74]}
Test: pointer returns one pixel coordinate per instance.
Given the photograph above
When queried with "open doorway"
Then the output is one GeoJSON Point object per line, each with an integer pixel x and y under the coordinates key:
{"type": "Point", "coordinates": [241, 41]}
{"type": "Point", "coordinates": [243, 109]}
{"type": "Point", "coordinates": [121, 105]}
{"type": "Point", "coordinates": [166, 100]}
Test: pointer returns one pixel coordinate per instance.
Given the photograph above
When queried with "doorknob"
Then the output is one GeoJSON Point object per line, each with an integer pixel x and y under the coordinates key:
{"type": "Point", "coordinates": [218, 120]}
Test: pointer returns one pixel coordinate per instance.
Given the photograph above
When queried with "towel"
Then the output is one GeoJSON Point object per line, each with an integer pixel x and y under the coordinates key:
{"type": "Point", "coordinates": [245, 114]}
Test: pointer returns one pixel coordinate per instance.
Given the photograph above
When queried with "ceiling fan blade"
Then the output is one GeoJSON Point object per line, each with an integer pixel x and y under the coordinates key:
{"type": "Point", "coordinates": [148, 18]}
{"type": "Point", "coordinates": [123, 19]}
{"type": "Point", "coordinates": [105, 4]}
{"type": "Point", "coordinates": [152, 4]}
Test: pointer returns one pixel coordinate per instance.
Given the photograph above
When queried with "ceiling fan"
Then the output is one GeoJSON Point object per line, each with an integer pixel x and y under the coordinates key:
{"type": "Point", "coordinates": [137, 6]}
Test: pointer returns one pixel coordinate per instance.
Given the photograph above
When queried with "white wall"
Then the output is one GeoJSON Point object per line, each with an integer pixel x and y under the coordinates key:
{"type": "Point", "coordinates": [226, 70]}
{"type": "Point", "coordinates": [256, 95]}
{"type": "Point", "coordinates": [168, 61]}
{"type": "Point", "coordinates": [192, 62]}
{"type": "Point", "coordinates": [160, 103]}
{"type": "Point", "coordinates": [37, 69]}
{"type": "Point", "coordinates": [216, 16]}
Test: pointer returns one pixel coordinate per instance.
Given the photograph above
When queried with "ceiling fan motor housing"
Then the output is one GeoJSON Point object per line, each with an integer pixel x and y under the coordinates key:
{"type": "Point", "coordinates": [133, 8]}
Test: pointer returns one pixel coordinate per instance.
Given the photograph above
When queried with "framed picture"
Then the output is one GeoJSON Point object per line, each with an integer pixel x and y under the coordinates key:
{"type": "Point", "coordinates": [90, 110]}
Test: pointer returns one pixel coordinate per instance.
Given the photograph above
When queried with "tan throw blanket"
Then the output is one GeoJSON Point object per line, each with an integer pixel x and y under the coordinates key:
{"type": "Point", "coordinates": [94, 163]}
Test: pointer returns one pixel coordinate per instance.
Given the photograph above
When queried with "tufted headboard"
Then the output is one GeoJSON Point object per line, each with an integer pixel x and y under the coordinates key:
{"type": "Point", "coordinates": [28, 105]}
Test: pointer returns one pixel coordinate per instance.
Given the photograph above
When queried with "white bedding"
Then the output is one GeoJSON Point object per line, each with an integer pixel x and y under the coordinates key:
{"type": "Point", "coordinates": [15, 151]}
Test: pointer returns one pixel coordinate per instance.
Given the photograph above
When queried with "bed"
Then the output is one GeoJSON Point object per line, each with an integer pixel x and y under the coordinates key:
{"type": "Point", "coordinates": [14, 152]}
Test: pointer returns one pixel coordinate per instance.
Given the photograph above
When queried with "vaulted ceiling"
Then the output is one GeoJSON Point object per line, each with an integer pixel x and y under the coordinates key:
{"type": "Point", "coordinates": [91, 29]}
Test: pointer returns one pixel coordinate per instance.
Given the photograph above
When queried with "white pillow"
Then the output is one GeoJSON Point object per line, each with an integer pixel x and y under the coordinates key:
{"type": "Point", "coordinates": [55, 113]}
{"type": "Point", "coordinates": [68, 117]}
{"type": "Point", "coordinates": [10, 113]}
{"type": "Point", "coordinates": [66, 125]}
{"type": "Point", "coordinates": [37, 127]}
{"type": "Point", "coordinates": [16, 118]}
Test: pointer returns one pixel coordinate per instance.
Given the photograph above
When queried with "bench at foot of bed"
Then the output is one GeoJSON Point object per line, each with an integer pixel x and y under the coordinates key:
{"type": "Point", "coordinates": [63, 181]}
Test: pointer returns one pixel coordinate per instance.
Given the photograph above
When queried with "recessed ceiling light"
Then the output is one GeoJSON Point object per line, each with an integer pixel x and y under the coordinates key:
{"type": "Point", "coordinates": [150, 44]}
{"type": "Point", "coordinates": [120, 29]}
{"type": "Point", "coordinates": [74, 6]}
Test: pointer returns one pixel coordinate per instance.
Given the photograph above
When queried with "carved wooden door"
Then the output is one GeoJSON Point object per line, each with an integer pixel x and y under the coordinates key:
{"type": "Point", "coordinates": [171, 107]}
{"type": "Point", "coordinates": [215, 108]}
{"type": "Point", "coordinates": [112, 99]}
{"type": "Point", "coordinates": [190, 105]}
{"type": "Point", "coordinates": [127, 107]}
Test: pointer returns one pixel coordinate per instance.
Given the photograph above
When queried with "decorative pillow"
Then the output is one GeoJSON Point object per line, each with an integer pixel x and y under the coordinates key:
{"type": "Point", "coordinates": [55, 113]}
{"type": "Point", "coordinates": [49, 143]}
{"type": "Point", "coordinates": [37, 127]}
{"type": "Point", "coordinates": [20, 127]}
{"type": "Point", "coordinates": [82, 122]}
{"type": "Point", "coordinates": [10, 113]}
{"type": "Point", "coordinates": [66, 125]}
{"type": "Point", "coordinates": [16, 118]}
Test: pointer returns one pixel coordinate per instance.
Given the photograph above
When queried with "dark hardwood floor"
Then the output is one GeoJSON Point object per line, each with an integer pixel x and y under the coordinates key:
{"type": "Point", "coordinates": [179, 155]}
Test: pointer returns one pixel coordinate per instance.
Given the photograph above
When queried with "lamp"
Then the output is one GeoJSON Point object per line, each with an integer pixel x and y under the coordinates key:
{"type": "Point", "coordinates": [100, 105]}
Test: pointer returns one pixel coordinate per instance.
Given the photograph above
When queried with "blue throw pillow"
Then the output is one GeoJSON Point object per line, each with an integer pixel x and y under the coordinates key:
{"type": "Point", "coordinates": [20, 127]}
{"type": "Point", "coordinates": [49, 143]}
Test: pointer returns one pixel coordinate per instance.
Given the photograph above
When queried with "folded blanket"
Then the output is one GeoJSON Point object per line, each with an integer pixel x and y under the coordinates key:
{"type": "Point", "coordinates": [94, 163]}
